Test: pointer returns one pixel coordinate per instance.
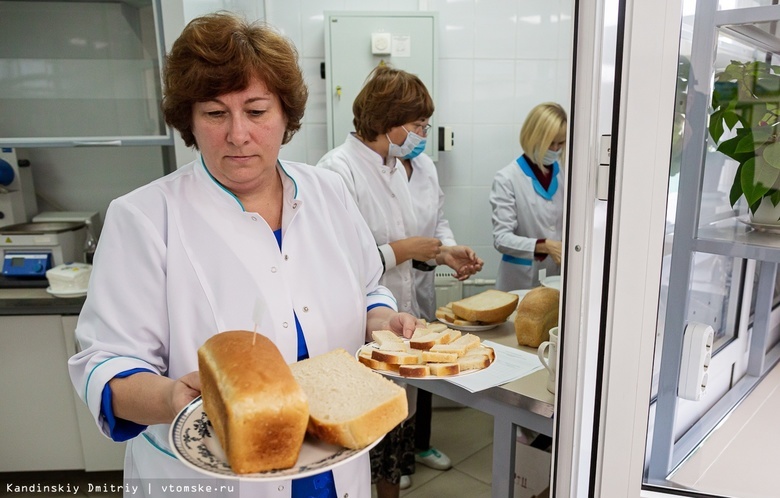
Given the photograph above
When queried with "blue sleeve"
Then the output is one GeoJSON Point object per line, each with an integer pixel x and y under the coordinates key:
{"type": "Point", "coordinates": [121, 430]}
{"type": "Point", "coordinates": [376, 305]}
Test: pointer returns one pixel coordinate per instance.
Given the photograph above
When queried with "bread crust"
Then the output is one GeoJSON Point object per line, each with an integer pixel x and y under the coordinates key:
{"type": "Point", "coordinates": [537, 313]}
{"type": "Point", "coordinates": [258, 410]}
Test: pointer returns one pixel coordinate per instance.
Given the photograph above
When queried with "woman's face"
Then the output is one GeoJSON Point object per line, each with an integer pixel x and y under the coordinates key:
{"type": "Point", "coordinates": [239, 135]}
{"type": "Point", "coordinates": [398, 133]}
{"type": "Point", "coordinates": [558, 143]}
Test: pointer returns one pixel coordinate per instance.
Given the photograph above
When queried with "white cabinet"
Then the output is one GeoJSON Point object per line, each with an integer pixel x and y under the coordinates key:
{"type": "Point", "coordinates": [40, 427]}
{"type": "Point", "coordinates": [46, 426]}
{"type": "Point", "coordinates": [81, 73]}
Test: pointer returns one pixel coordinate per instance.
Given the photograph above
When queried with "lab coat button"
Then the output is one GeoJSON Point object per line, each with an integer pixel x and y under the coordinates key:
{"type": "Point", "coordinates": [295, 205]}
{"type": "Point", "coordinates": [254, 218]}
{"type": "Point", "coordinates": [273, 269]}
{"type": "Point", "coordinates": [284, 324]}
{"type": "Point", "coordinates": [392, 195]}
{"type": "Point", "coordinates": [305, 309]}
{"type": "Point", "coordinates": [286, 257]}
{"type": "Point", "coordinates": [280, 488]}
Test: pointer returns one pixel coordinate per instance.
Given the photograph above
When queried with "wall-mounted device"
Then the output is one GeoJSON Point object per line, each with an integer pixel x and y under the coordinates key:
{"type": "Point", "coordinates": [695, 362]}
{"type": "Point", "coordinates": [381, 43]}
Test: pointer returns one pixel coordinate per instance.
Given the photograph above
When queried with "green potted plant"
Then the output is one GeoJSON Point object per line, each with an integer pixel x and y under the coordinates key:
{"type": "Point", "coordinates": [746, 102]}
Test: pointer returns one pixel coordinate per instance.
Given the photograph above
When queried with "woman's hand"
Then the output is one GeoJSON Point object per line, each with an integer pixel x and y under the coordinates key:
{"type": "Point", "coordinates": [184, 390]}
{"type": "Point", "coordinates": [419, 248]}
{"type": "Point", "coordinates": [147, 398]}
{"type": "Point", "coordinates": [384, 318]}
{"type": "Point", "coordinates": [554, 248]}
{"type": "Point", "coordinates": [462, 259]}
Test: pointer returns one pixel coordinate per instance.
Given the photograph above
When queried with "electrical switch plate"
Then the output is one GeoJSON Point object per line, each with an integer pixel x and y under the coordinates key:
{"type": "Point", "coordinates": [446, 138]}
{"type": "Point", "coordinates": [695, 361]}
{"type": "Point", "coordinates": [381, 43]}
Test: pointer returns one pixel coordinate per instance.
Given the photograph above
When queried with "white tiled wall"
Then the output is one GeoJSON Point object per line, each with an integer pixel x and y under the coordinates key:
{"type": "Point", "coordinates": [497, 59]}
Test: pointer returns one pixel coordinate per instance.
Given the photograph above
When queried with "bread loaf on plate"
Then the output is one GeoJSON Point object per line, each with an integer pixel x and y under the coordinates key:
{"type": "Point", "coordinates": [349, 405]}
{"type": "Point", "coordinates": [258, 410]}
{"type": "Point", "coordinates": [490, 306]}
{"type": "Point", "coordinates": [537, 313]}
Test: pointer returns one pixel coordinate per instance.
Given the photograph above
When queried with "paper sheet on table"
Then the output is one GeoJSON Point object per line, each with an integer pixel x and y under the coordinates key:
{"type": "Point", "coordinates": [510, 364]}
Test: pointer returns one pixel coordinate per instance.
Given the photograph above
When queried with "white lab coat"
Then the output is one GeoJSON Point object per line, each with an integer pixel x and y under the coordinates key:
{"type": "Point", "coordinates": [521, 215]}
{"type": "Point", "coordinates": [382, 194]}
{"type": "Point", "coordinates": [428, 202]}
{"type": "Point", "coordinates": [179, 260]}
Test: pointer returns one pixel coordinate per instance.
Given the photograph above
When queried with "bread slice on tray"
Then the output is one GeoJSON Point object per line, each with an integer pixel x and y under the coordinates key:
{"type": "Point", "coordinates": [490, 306]}
{"type": "Point", "coordinates": [349, 405]}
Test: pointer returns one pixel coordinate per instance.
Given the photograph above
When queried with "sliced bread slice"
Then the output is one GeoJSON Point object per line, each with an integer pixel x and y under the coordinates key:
{"type": "Point", "coordinates": [349, 405]}
{"type": "Point", "coordinates": [444, 369]}
{"type": "Point", "coordinates": [489, 306]}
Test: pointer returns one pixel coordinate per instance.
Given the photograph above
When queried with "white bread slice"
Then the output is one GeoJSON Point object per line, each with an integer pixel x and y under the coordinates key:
{"type": "Point", "coordinates": [394, 346]}
{"type": "Point", "coordinates": [349, 405]}
{"type": "Point", "coordinates": [444, 369]}
{"type": "Point", "coordinates": [378, 365]}
{"type": "Point", "coordinates": [449, 349]}
{"type": "Point", "coordinates": [420, 332]}
{"type": "Point", "coordinates": [437, 327]}
{"type": "Point", "coordinates": [445, 315]}
{"type": "Point", "coordinates": [395, 357]}
{"type": "Point", "coordinates": [438, 357]}
{"type": "Point", "coordinates": [415, 371]}
{"type": "Point", "coordinates": [475, 362]}
{"type": "Point", "coordinates": [489, 306]}
{"type": "Point", "coordinates": [453, 334]}
{"type": "Point", "coordinates": [385, 336]}
{"type": "Point", "coordinates": [427, 341]}
{"type": "Point", "coordinates": [467, 323]}
{"type": "Point", "coordinates": [459, 346]}
{"type": "Point", "coordinates": [482, 351]}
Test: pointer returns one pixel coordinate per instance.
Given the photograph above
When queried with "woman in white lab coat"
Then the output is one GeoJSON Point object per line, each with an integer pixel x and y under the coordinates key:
{"type": "Point", "coordinates": [188, 255]}
{"type": "Point", "coordinates": [527, 202]}
{"type": "Point", "coordinates": [391, 116]}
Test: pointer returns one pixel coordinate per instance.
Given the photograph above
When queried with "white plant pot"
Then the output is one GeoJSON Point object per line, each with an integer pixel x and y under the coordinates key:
{"type": "Point", "coordinates": [766, 214]}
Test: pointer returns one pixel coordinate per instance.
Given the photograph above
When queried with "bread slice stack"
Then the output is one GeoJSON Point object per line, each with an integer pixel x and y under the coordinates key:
{"type": "Point", "coordinates": [430, 352]}
{"type": "Point", "coordinates": [488, 307]}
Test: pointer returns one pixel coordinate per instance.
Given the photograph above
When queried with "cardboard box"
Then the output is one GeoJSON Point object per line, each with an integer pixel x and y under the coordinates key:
{"type": "Point", "coordinates": [532, 471]}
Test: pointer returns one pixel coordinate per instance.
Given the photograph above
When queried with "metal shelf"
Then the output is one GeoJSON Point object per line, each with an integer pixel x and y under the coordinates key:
{"type": "Point", "coordinates": [734, 238]}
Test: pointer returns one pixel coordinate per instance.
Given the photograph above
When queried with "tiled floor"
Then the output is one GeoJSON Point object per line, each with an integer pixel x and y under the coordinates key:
{"type": "Point", "coordinates": [740, 457]}
{"type": "Point", "coordinates": [463, 434]}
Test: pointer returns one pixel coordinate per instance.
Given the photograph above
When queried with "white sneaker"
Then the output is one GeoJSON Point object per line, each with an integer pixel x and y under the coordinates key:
{"type": "Point", "coordinates": [406, 482]}
{"type": "Point", "coordinates": [434, 459]}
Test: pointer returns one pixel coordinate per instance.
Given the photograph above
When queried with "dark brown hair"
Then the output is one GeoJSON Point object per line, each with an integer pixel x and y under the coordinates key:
{"type": "Point", "coordinates": [391, 97]}
{"type": "Point", "coordinates": [220, 53]}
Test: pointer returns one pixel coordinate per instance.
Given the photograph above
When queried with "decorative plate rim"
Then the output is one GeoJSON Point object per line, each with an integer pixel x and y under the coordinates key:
{"type": "Point", "coordinates": [218, 467]}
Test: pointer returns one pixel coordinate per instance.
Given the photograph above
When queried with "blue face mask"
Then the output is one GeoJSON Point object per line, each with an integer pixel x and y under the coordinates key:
{"type": "Point", "coordinates": [550, 157]}
{"type": "Point", "coordinates": [406, 148]}
{"type": "Point", "coordinates": [418, 149]}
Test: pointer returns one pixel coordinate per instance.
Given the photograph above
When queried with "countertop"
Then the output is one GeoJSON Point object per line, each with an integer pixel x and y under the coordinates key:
{"type": "Point", "coordinates": [36, 301]}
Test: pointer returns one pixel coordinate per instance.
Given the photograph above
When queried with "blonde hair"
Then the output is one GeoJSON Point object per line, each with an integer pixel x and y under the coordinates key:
{"type": "Point", "coordinates": [545, 124]}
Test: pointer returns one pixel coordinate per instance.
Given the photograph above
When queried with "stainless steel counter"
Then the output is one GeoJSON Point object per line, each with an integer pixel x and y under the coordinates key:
{"type": "Point", "coordinates": [23, 301]}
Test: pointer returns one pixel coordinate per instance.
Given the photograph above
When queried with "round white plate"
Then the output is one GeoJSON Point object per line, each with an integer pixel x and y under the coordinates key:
{"type": "Point", "coordinates": [70, 293]}
{"type": "Point", "coordinates": [761, 227]}
{"type": "Point", "coordinates": [471, 328]}
{"type": "Point", "coordinates": [552, 282]}
{"type": "Point", "coordinates": [396, 375]}
{"type": "Point", "coordinates": [194, 442]}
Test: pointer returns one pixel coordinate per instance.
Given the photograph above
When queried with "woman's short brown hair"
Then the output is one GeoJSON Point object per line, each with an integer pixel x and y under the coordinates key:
{"type": "Point", "coordinates": [391, 97]}
{"type": "Point", "coordinates": [221, 53]}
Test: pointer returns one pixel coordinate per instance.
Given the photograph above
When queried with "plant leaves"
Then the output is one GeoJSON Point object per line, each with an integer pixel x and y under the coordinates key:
{"type": "Point", "coordinates": [747, 143]}
{"type": "Point", "coordinates": [775, 197]}
{"type": "Point", "coordinates": [716, 125]}
{"type": "Point", "coordinates": [771, 155]}
{"type": "Point", "coordinates": [731, 118]}
{"type": "Point", "coordinates": [753, 189]}
{"type": "Point", "coordinates": [736, 187]}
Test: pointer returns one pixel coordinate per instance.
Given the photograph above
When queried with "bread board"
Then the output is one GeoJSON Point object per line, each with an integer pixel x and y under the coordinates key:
{"type": "Point", "coordinates": [396, 375]}
{"type": "Point", "coordinates": [195, 444]}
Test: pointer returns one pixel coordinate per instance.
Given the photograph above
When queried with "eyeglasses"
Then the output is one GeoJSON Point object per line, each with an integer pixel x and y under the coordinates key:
{"type": "Point", "coordinates": [425, 129]}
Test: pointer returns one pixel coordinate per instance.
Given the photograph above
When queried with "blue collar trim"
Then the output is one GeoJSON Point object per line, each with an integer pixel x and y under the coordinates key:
{"type": "Point", "coordinates": [550, 192]}
{"type": "Point", "coordinates": [231, 194]}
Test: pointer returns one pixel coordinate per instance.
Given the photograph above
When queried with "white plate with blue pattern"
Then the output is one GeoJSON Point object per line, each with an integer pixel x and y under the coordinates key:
{"type": "Point", "coordinates": [195, 444]}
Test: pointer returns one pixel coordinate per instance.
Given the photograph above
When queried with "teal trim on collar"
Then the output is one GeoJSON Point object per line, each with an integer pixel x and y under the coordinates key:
{"type": "Point", "coordinates": [295, 184]}
{"type": "Point", "coordinates": [547, 194]}
{"type": "Point", "coordinates": [231, 194]}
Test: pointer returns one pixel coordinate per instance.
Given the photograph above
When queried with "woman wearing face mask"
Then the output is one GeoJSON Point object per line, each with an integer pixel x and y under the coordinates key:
{"type": "Point", "coordinates": [401, 201]}
{"type": "Point", "coordinates": [527, 201]}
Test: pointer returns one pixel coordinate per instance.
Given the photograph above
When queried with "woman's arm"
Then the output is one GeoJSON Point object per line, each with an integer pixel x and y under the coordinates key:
{"type": "Point", "coordinates": [146, 398]}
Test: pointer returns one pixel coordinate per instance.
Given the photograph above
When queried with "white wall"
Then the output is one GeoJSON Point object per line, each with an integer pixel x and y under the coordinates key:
{"type": "Point", "coordinates": [497, 59]}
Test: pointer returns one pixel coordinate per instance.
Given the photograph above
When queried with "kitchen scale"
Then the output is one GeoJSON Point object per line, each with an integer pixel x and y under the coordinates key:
{"type": "Point", "coordinates": [29, 250]}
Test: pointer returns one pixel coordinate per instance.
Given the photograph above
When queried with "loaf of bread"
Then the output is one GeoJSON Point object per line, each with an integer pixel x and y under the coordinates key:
{"type": "Point", "coordinates": [257, 409]}
{"type": "Point", "coordinates": [349, 405]}
{"type": "Point", "coordinates": [537, 313]}
{"type": "Point", "coordinates": [490, 306]}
